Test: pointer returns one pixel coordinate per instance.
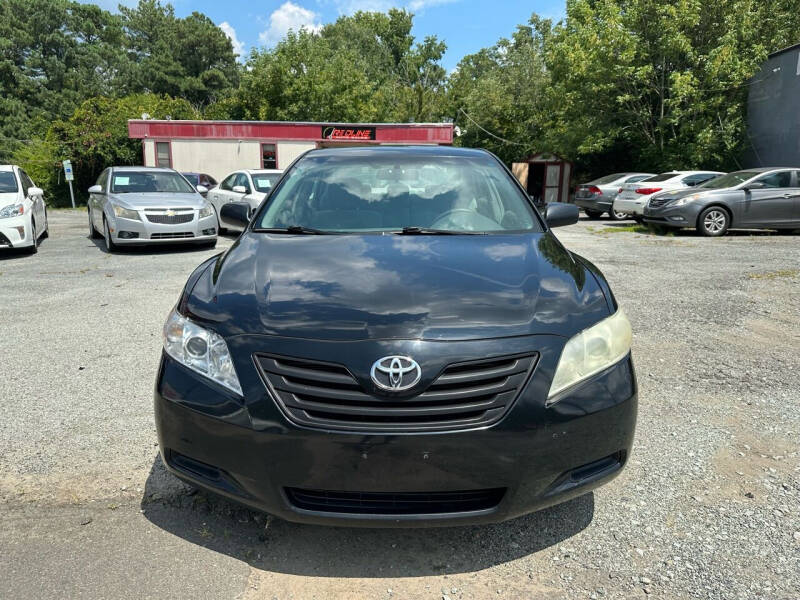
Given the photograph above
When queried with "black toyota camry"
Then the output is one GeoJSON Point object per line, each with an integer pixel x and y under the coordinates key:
{"type": "Point", "coordinates": [397, 338]}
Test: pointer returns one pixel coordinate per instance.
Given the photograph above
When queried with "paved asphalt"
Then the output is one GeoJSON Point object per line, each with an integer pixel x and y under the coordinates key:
{"type": "Point", "coordinates": [709, 506]}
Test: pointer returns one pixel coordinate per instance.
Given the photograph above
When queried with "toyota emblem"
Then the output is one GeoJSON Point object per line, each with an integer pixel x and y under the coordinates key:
{"type": "Point", "coordinates": [395, 373]}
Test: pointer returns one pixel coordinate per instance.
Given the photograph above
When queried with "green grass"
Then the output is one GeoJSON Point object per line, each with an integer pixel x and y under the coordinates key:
{"type": "Point", "coordinates": [633, 229]}
{"type": "Point", "coordinates": [781, 274]}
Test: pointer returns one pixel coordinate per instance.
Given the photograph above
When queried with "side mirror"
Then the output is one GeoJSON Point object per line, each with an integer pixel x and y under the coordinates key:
{"type": "Point", "coordinates": [96, 189]}
{"type": "Point", "coordinates": [756, 185]}
{"type": "Point", "coordinates": [235, 213]}
{"type": "Point", "coordinates": [35, 191]}
{"type": "Point", "coordinates": [201, 189]}
{"type": "Point", "coordinates": [558, 214]}
{"type": "Point", "coordinates": [239, 189]}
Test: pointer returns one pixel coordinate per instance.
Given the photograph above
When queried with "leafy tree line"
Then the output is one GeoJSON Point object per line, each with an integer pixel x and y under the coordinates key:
{"type": "Point", "coordinates": [615, 84]}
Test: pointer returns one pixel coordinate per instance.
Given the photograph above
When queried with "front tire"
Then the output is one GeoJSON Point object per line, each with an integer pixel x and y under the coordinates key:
{"type": "Point", "coordinates": [93, 235]}
{"type": "Point", "coordinates": [593, 214]}
{"type": "Point", "coordinates": [46, 232]}
{"type": "Point", "coordinates": [713, 222]}
{"type": "Point", "coordinates": [110, 245]}
{"type": "Point", "coordinates": [34, 248]}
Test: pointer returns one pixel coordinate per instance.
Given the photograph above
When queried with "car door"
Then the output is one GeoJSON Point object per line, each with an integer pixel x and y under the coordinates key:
{"type": "Point", "coordinates": [771, 205]}
{"type": "Point", "coordinates": [36, 200]}
{"type": "Point", "coordinates": [97, 200]}
{"type": "Point", "coordinates": [222, 194]}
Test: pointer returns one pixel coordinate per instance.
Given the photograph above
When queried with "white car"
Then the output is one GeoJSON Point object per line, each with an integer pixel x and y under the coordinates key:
{"type": "Point", "coordinates": [23, 214]}
{"type": "Point", "coordinates": [633, 197]}
{"type": "Point", "coordinates": [247, 185]}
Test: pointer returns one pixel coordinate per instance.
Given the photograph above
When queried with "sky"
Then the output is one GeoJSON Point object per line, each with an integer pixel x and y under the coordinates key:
{"type": "Point", "coordinates": [466, 26]}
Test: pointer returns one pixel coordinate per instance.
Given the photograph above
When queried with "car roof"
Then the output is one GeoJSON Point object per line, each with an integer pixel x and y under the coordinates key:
{"type": "Point", "coordinates": [764, 169]}
{"type": "Point", "coordinates": [263, 171]}
{"type": "Point", "coordinates": [676, 173]}
{"type": "Point", "coordinates": [7, 167]}
{"type": "Point", "coordinates": [134, 168]}
{"type": "Point", "coordinates": [419, 150]}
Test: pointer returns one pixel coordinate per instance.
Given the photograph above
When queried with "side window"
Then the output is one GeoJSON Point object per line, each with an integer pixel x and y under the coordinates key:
{"type": "Point", "coordinates": [26, 181]}
{"type": "Point", "coordinates": [227, 183]}
{"type": "Point", "coordinates": [781, 179]}
{"type": "Point", "coordinates": [211, 181]}
{"type": "Point", "coordinates": [103, 180]}
{"type": "Point", "coordinates": [241, 179]}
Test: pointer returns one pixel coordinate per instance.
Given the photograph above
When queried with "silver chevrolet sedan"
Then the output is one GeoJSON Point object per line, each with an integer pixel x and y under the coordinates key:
{"type": "Point", "coordinates": [146, 205]}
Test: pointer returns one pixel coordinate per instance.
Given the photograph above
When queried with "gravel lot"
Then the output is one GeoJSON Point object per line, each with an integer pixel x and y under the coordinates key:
{"type": "Point", "coordinates": [709, 506]}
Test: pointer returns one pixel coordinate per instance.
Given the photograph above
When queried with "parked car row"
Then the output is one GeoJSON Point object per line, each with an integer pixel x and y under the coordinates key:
{"type": "Point", "coordinates": [709, 201]}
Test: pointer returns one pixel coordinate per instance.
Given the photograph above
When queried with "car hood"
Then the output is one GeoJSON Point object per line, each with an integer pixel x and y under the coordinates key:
{"type": "Point", "coordinates": [354, 287]}
{"type": "Point", "coordinates": [7, 198]}
{"type": "Point", "coordinates": [140, 201]}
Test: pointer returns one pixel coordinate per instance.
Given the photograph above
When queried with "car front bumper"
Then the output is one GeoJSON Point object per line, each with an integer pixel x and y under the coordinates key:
{"type": "Point", "coordinates": [133, 232]}
{"type": "Point", "coordinates": [679, 216]}
{"type": "Point", "coordinates": [10, 235]}
{"type": "Point", "coordinates": [247, 450]}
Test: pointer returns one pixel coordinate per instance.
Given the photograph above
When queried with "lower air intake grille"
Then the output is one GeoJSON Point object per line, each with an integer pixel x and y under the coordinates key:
{"type": "Point", "coordinates": [328, 396]}
{"type": "Point", "coordinates": [395, 503]}
{"type": "Point", "coordinates": [172, 236]}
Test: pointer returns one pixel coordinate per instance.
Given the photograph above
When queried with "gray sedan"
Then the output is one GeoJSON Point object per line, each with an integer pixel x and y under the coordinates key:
{"type": "Point", "coordinates": [764, 198]}
{"type": "Point", "coordinates": [145, 205]}
{"type": "Point", "coordinates": [597, 197]}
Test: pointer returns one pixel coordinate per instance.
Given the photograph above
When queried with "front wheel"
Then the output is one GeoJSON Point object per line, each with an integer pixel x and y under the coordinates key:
{"type": "Point", "coordinates": [593, 214]}
{"type": "Point", "coordinates": [34, 248]}
{"type": "Point", "coordinates": [46, 232]}
{"type": "Point", "coordinates": [110, 245]}
{"type": "Point", "coordinates": [713, 222]}
{"type": "Point", "coordinates": [618, 216]}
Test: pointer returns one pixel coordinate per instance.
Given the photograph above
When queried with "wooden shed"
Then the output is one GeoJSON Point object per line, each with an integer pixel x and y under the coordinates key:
{"type": "Point", "coordinates": [545, 177]}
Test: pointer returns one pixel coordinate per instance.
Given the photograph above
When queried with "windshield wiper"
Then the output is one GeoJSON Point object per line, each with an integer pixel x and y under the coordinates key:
{"type": "Point", "coordinates": [429, 231]}
{"type": "Point", "coordinates": [297, 229]}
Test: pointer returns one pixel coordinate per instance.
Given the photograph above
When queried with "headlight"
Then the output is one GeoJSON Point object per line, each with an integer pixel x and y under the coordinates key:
{"type": "Point", "coordinates": [201, 350]}
{"type": "Point", "coordinates": [207, 210]}
{"type": "Point", "coordinates": [126, 213]}
{"type": "Point", "coordinates": [591, 351]}
{"type": "Point", "coordinates": [12, 210]}
{"type": "Point", "coordinates": [687, 199]}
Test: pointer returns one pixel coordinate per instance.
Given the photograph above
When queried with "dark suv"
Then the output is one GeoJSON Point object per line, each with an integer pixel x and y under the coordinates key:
{"type": "Point", "coordinates": [397, 338]}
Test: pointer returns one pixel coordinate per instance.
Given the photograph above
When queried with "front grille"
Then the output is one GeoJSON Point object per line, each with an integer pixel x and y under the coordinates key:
{"type": "Point", "coordinates": [171, 236]}
{"type": "Point", "coordinates": [395, 503]}
{"type": "Point", "coordinates": [327, 396]}
{"type": "Point", "coordinates": [656, 202]}
{"type": "Point", "coordinates": [165, 219]}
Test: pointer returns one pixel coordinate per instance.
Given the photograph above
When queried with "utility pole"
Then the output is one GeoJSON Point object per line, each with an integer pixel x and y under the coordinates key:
{"type": "Point", "coordinates": [69, 177]}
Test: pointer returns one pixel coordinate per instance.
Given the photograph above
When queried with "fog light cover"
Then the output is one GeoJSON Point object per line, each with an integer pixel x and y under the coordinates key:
{"type": "Point", "coordinates": [591, 351]}
{"type": "Point", "coordinates": [201, 350]}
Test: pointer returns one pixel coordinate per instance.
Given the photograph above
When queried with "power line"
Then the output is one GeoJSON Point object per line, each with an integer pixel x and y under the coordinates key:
{"type": "Point", "coordinates": [487, 132]}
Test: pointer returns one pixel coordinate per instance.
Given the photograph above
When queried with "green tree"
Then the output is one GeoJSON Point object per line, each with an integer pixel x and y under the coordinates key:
{"type": "Point", "coordinates": [189, 58]}
{"type": "Point", "coordinates": [53, 55]}
{"type": "Point", "coordinates": [94, 137]}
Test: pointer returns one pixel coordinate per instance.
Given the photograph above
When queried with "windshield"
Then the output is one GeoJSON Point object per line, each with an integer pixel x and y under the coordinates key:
{"type": "Point", "coordinates": [263, 182]}
{"type": "Point", "coordinates": [193, 178]}
{"type": "Point", "coordinates": [729, 180]}
{"type": "Point", "coordinates": [607, 179]}
{"type": "Point", "coordinates": [8, 183]}
{"type": "Point", "coordinates": [130, 182]}
{"type": "Point", "coordinates": [380, 192]}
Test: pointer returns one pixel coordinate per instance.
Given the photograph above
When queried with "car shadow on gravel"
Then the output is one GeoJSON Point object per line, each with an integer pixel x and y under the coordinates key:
{"type": "Point", "coordinates": [280, 546]}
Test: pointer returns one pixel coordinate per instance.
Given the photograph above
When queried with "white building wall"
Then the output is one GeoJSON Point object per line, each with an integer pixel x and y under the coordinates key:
{"type": "Point", "coordinates": [149, 153]}
{"type": "Point", "coordinates": [215, 157]}
{"type": "Point", "coordinates": [288, 151]}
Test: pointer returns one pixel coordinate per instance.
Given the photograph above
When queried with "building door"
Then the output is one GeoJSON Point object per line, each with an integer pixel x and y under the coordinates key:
{"type": "Point", "coordinates": [552, 182]}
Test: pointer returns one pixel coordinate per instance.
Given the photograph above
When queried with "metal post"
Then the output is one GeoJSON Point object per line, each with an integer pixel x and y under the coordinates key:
{"type": "Point", "coordinates": [71, 194]}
